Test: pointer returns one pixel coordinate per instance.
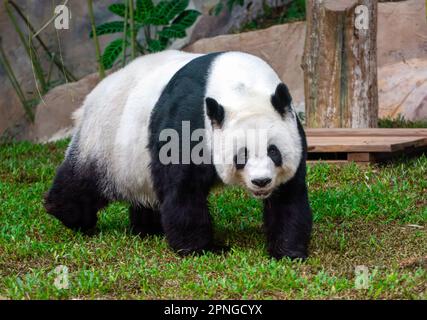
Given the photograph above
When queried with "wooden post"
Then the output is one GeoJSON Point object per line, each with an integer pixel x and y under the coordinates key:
{"type": "Point", "coordinates": [340, 64]}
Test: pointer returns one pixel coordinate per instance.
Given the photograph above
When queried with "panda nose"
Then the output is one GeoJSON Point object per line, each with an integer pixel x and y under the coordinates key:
{"type": "Point", "coordinates": [261, 182]}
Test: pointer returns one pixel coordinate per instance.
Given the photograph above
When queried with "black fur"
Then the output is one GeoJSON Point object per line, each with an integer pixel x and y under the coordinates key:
{"type": "Point", "coordinates": [145, 221]}
{"type": "Point", "coordinates": [74, 197]}
{"type": "Point", "coordinates": [281, 100]}
{"type": "Point", "coordinates": [275, 155]}
{"type": "Point", "coordinates": [241, 158]}
{"type": "Point", "coordinates": [182, 189]}
{"type": "Point", "coordinates": [215, 112]}
{"type": "Point", "coordinates": [287, 214]}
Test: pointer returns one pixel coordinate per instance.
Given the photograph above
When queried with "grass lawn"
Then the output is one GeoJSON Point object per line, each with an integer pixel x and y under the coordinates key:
{"type": "Point", "coordinates": [373, 216]}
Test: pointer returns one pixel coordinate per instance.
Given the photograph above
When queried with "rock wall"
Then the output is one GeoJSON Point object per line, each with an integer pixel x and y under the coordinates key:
{"type": "Point", "coordinates": [403, 89]}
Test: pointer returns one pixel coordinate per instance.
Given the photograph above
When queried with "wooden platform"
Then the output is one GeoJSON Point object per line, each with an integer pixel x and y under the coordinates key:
{"type": "Point", "coordinates": [363, 145]}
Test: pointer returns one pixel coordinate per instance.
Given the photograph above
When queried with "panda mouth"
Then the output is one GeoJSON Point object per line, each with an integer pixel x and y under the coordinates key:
{"type": "Point", "coordinates": [261, 194]}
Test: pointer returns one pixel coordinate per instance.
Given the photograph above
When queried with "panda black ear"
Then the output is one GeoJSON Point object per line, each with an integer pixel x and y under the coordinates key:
{"type": "Point", "coordinates": [215, 112]}
{"type": "Point", "coordinates": [281, 100]}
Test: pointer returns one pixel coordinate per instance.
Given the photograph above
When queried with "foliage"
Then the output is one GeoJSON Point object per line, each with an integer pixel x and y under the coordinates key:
{"type": "Point", "coordinates": [364, 215]}
{"type": "Point", "coordinates": [43, 77]}
{"type": "Point", "coordinates": [295, 12]}
{"type": "Point", "coordinates": [401, 122]}
{"type": "Point", "coordinates": [291, 12]}
{"type": "Point", "coordinates": [160, 23]}
{"type": "Point", "coordinates": [101, 69]}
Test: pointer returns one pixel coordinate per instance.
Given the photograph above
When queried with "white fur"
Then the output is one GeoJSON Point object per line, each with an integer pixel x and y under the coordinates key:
{"type": "Point", "coordinates": [113, 122]}
{"type": "Point", "coordinates": [243, 85]}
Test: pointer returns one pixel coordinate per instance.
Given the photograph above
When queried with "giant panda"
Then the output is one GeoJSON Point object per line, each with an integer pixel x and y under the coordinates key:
{"type": "Point", "coordinates": [114, 154]}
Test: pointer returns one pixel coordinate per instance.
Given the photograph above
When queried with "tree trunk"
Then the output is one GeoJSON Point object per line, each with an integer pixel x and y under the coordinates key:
{"type": "Point", "coordinates": [340, 64]}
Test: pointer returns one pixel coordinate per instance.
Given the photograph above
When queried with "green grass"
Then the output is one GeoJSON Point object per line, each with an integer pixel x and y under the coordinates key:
{"type": "Point", "coordinates": [373, 216]}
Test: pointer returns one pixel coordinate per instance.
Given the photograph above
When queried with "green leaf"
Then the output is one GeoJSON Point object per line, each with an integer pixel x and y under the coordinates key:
{"type": "Point", "coordinates": [157, 16]}
{"type": "Point", "coordinates": [155, 46]}
{"type": "Point", "coordinates": [173, 32]}
{"type": "Point", "coordinates": [177, 29]}
{"type": "Point", "coordinates": [144, 8]}
{"type": "Point", "coordinates": [112, 52]}
{"type": "Point", "coordinates": [109, 27]}
{"type": "Point", "coordinates": [187, 18]}
{"type": "Point", "coordinates": [165, 11]}
{"type": "Point", "coordinates": [177, 7]}
{"type": "Point", "coordinates": [118, 9]}
{"type": "Point", "coordinates": [163, 41]}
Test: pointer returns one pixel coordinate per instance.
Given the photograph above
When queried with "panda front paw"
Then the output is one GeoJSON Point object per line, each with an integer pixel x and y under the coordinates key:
{"type": "Point", "coordinates": [285, 253]}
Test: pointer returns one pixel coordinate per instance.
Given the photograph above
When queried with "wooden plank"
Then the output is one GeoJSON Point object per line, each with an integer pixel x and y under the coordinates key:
{"type": "Point", "coordinates": [360, 157]}
{"type": "Point", "coordinates": [362, 144]}
{"type": "Point", "coordinates": [363, 158]}
{"type": "Point", "coordinates": [341, 132]}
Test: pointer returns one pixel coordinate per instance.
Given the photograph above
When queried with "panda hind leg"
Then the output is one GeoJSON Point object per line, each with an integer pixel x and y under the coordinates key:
{"type": "Point", "coordinates": [145, 221]}
{"type": "Point", "coordinates": [74, 198]}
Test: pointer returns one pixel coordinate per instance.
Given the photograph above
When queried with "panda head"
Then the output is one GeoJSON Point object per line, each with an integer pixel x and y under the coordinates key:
{"type": "Point", "coordinates": [256, 145]}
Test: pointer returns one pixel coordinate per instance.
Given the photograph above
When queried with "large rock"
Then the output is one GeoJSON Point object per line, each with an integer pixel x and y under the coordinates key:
{"type": "Point", "coordinates": [402, 60]}
{"type": "Point", "coordinates": [53, 118]}
{"type": "Point", "coordinates": [403, 89]}
{"type": "Point", "coordinates": [402, 31]}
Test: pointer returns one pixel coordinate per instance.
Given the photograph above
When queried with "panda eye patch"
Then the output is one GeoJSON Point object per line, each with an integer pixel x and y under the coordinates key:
{"type": "Point", "coordinates": [241, 158]}
{"type": "Point", "coordinates": [275, 155]}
